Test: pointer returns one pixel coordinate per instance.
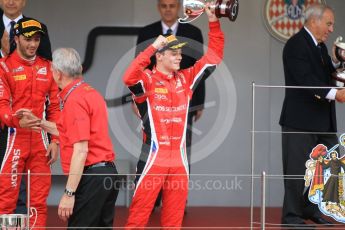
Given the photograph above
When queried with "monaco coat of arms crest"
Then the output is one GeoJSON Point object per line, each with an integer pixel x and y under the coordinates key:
{"type": "Point", "coordinates": [284, 18]}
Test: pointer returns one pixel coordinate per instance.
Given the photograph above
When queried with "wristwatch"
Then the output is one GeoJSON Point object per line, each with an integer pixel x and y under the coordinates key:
{"type": "Point", "coordinates": [69, 192]}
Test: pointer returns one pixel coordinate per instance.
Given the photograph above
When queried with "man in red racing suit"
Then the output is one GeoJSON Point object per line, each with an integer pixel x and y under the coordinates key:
{"type": "Point", "coordinates": [162, 97]}
{"type": "Point", "coordinates": [26, 81]}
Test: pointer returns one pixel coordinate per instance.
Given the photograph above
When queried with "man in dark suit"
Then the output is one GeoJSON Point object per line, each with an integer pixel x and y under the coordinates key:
{"type": "Point", "coordinates": [169, 24]}
{"type": "Point", "coordinates": [308, 115]}
{"type": "Point", "coordinates": [12, 12]}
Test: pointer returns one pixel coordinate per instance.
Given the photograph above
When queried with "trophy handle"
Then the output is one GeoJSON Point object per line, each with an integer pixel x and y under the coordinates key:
{"type": "Point", "coordinates": [233, 7]}
{"type": "Point", "coordinates": [339, 39]}
{"type": "Point", "coordinates": [32, 211]}
{"type": "Point", "coordinates": [185, 19]}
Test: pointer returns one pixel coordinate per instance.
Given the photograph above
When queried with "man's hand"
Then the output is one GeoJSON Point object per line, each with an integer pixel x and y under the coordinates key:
{"type": "Point", "coordinates": [28, 119]}
{"type": "Point", "coordinates": [28, 123]}
{"type": "Point", "coordinates": [340, 96]}
{"type": "Point", "coordinates": [210, 11]}
{"type": "Point", "coordinates": [198, 115]}
{"type": "Point", "coordinates": [52, 152]}
{"type": "Point", "coordinates": [5, 43]}
{"type": "Point", "coordinates": [160, 42]}
{"type": "Point", "coordinates": [20, 113]}
{"type": "Point", "coordinates": [66, 207]}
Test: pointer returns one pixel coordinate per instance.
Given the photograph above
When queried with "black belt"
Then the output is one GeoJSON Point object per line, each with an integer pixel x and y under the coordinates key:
{"type": "Point", "coordinates": [100, 164]}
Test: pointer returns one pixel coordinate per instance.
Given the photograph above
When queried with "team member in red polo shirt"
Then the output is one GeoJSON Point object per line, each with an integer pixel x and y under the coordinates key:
{"type": "Point", "coordinates": [88, 201]}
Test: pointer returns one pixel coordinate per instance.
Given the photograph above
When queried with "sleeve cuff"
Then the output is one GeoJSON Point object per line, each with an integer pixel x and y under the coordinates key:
{"type": "Point", "coordinates": [15, 122]}
{"type": "Point", "coordinates": [214, 25]}
{"type": "Point", "coordinates": [335, 65]}
{"type": "Point", "coordinates": [331, 94]}
{"type": "Point", "coordinates": [150, 50]}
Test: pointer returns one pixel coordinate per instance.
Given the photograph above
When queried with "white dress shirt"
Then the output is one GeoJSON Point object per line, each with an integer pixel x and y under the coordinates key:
{"type": "Point", "coordinates": [7, 23]}
{"type": "Point", "coordinates": [173, 28]}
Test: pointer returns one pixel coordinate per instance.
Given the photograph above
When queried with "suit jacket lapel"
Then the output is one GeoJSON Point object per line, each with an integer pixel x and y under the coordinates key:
{"type": "Point", "coordinates": [158, 28]}
{"type": "Point", "coordinates": [2, 26]}
{"type": "Point", "coordinates": [323, 60]}
{"type": "Point", "coordinates": [180, 29]}
{"type": "Point", "coordinates": [311, 44]}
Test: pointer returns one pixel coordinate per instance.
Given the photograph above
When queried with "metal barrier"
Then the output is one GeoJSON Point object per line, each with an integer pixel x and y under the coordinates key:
{"type": "Point", "coordinates": [264, 176]}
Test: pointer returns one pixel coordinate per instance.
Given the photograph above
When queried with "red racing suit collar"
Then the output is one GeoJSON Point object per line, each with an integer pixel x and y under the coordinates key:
{"type": "Point", "coordinates": [16, 57]}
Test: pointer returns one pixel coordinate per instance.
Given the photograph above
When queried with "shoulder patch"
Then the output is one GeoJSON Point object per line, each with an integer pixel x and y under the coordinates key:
{"type": "Point", "coordinates": [42, 70]}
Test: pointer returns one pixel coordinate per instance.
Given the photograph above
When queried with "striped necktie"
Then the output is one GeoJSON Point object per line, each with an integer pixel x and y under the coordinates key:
{"type": "Point", "coordinates": [12, 42]}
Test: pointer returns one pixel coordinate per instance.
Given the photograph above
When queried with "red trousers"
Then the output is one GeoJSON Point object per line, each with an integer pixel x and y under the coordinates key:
{"type": "Point", "coordinates": [25, 151]}
{"type": "Point", "coordinates": [174, 183]}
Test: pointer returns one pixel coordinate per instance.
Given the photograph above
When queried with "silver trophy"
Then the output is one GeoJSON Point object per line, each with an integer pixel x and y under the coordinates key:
{"type": "Point", "coordinates": [340, 49]}
{"type": "Point", "coordinates": [13, 222]}
{"type": "Point", "coordinates": [16, 221]}
{"type": "Point", "coordinates": [339, 77]}
{"type": "Point", "coordinates": [195, 8]}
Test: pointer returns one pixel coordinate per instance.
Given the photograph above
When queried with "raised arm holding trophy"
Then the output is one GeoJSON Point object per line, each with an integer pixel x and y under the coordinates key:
{"type": "Point", "coordinates": [164, 93]}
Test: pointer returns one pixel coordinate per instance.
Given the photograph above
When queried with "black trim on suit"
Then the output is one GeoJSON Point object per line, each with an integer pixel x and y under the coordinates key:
{"type": "Point", "coordinates": [44, 50]}
{"type": "Point", "coordinates": [192, 52]}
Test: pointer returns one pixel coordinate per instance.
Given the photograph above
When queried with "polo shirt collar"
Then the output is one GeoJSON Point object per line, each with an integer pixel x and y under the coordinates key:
{"type": "Point", "coordinates": [22, 60]}
{"type": "Point", "coordinates": [162, 75]}
{"type": "Point", "coordinates": [63, 92]}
